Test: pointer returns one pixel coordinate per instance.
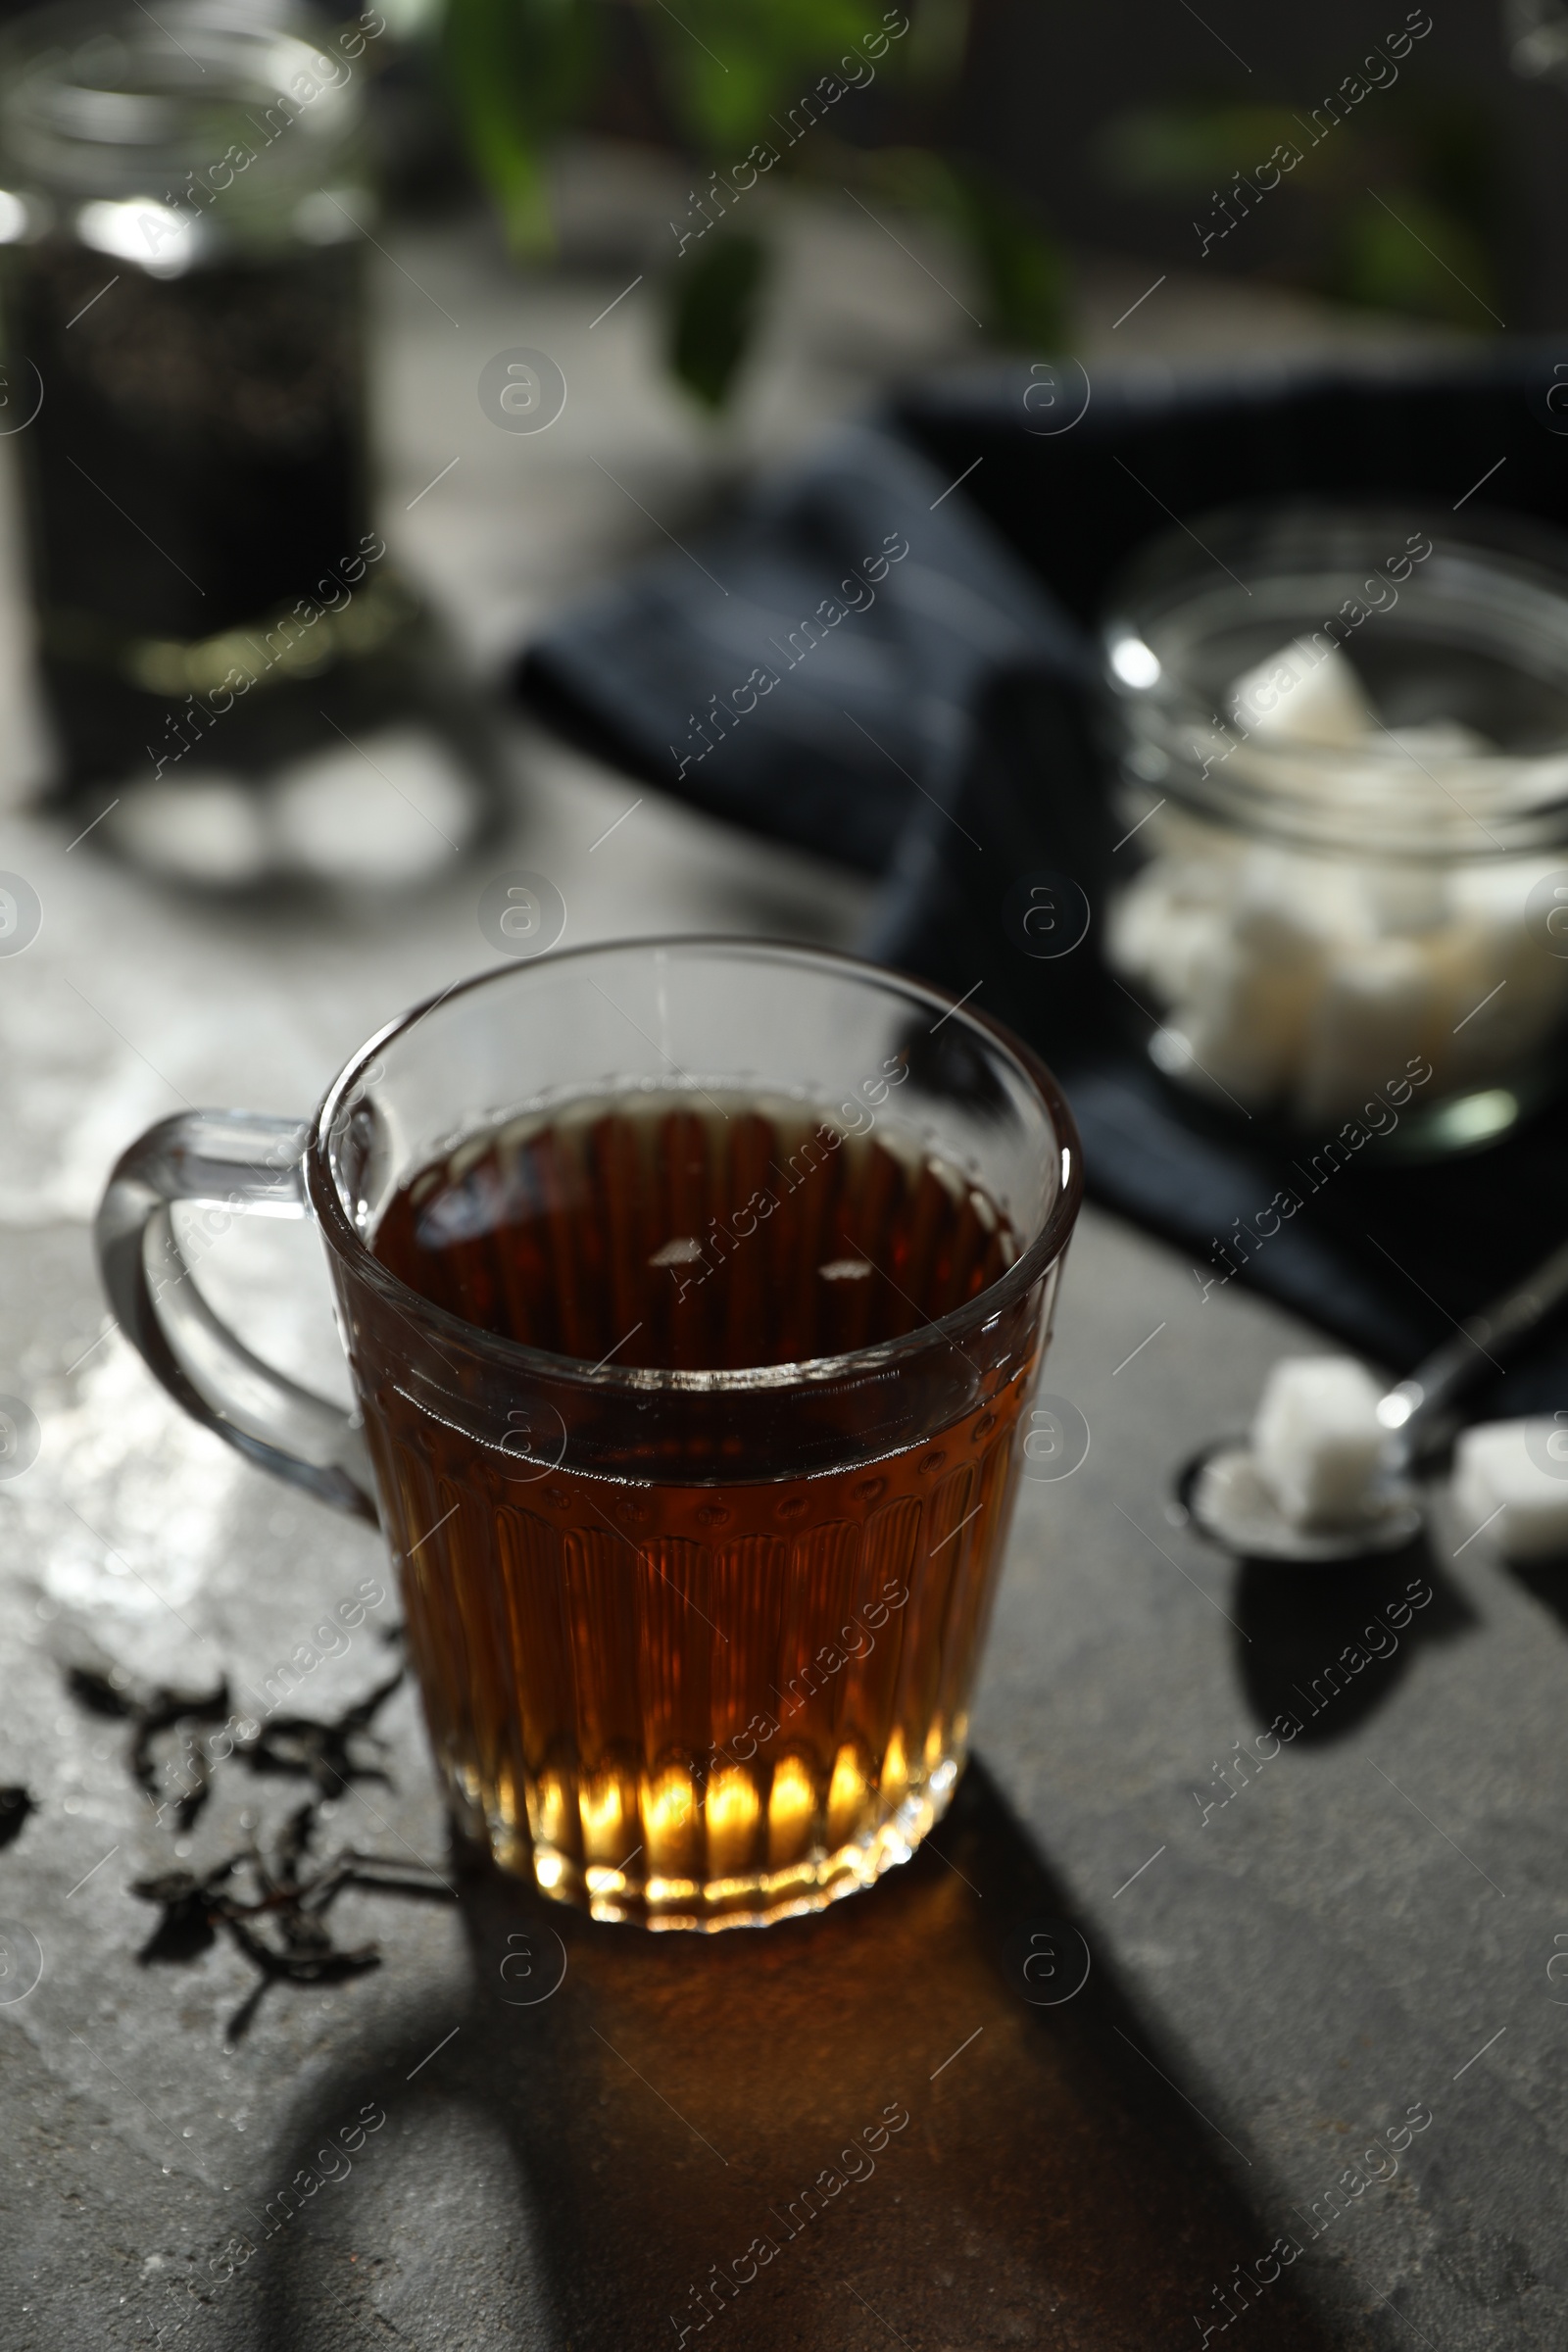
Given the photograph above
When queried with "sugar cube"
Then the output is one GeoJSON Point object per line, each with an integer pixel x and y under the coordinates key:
{"type": "Point", "coordinates": [1157, 931]}
{"type": "Point", "coordinates": [1374, 1013]}
{"type": "Point", "coordinates": [1307, 692]}
{"type": "Point", "coordinates": [1507, 1473]}
{"type": "Point", "coordinates": [1437, 739]}
{"type": "Point", "coordinates": [1505, 991]}
{"type": "Point", "coordinates": [1317, 1441]}
{"type": "Point", "coordinates": [1252, 990]}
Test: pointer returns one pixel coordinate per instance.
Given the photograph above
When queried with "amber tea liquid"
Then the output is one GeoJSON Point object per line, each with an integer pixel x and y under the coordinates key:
{"type": "Point", "coordinates": [683, 1697]}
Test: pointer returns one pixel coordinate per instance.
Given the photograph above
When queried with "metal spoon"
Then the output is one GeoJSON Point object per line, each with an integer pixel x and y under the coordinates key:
{"type": "Point", "coordinates": [1225, 1498]}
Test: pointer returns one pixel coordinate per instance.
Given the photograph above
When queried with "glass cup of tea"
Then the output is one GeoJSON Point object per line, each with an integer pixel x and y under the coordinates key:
{"type": "Point", "coordinates": [692, 1292]}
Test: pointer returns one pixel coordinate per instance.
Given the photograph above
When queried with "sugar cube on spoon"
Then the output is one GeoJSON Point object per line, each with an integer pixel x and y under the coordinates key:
{"type": "Point", "coordinates": [1317, 1441]}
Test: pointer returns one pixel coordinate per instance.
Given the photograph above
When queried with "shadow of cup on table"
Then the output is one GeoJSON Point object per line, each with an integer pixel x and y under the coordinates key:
{"type": "Point", "coordinates": [928, 2115]}
{"type": "Point", "coordinates": [1327, 1646]}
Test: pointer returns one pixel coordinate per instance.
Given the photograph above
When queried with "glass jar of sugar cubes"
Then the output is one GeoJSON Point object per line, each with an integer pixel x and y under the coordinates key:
{"type": "Point", "coordinates": [1344, 759]}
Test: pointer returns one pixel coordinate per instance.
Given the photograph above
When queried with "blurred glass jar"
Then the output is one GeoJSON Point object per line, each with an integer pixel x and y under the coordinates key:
{"type": "Point", "coordinates": [1343, 751]}
{"type": "Point", "coordinates": [238, 679]}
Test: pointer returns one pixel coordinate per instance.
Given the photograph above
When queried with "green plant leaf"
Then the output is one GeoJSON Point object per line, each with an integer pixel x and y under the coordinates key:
{"type": "Point", "coordinates": [1024, 269]}
{"type": "Point", "coordinates": [519, 72]}
{"type": "Point", "coordinates": [939, 41]}
{"type": "Point", "coordinates": [728, 70]}
{"type": "Point", "coordinates": [1409, 254]}
{"type": "Point", "coordinates": [1188, 150]}
{"type": "Point", "coordinates": [716, 298]}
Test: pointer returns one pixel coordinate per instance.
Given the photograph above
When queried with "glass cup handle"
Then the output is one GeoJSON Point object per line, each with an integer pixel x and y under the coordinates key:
{"type": "Point", "coordinates": [242, 1164]}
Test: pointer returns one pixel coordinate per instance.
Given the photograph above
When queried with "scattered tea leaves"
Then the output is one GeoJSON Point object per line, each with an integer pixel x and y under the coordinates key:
{"type": "Point", "coordinates": [270, 1899]}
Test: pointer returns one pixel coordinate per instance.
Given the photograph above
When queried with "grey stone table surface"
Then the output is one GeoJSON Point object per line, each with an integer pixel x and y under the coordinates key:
{"type": "Point", "coordinates": [1312, 2086]}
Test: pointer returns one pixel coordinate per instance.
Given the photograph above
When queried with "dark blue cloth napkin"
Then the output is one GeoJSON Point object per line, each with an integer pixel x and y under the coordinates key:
{"type": "Point", "coordinates": [887, 655]}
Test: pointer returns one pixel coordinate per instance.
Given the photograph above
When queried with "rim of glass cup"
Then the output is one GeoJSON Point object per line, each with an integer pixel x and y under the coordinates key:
{"type": "Point", "coordinates": [343, 1234]}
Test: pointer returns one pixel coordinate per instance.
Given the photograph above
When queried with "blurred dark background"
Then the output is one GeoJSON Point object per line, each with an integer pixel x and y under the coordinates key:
{"type": "Point", "coordinates": [1120, 124]}
{"type": "Point", "coordinates": [1115, 130]}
